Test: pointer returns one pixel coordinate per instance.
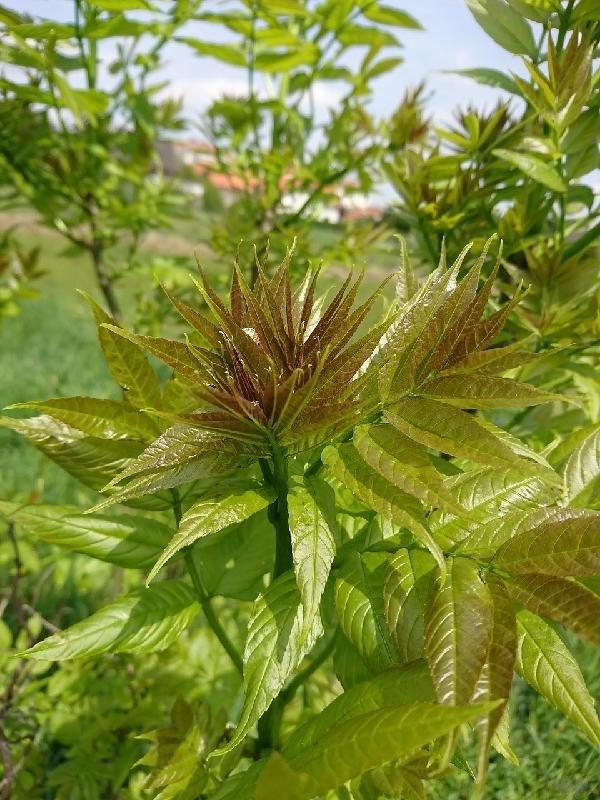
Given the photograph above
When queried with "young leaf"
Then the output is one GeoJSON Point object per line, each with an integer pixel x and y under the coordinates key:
{"type": "Point", "coordinates": [354, 746]}
{"type": "Point", "coordinates": [395, 686]}
{"type": "Point", "coordinates": [490, 77]}
{"type": "Point", "coordinates": [496, 677]}
{"type": "Point", "coordinates": [505, 26]}
{"type": "Point", "coordinates": [212, 514]}
{"type": "Point", "coordinates": [180, 445]}
{"type": "Point", "coordinates": [359, 606]}
{"type": "Point", "coordinates": [566, 546]}
{"type": "Point", "coordinates": [145, 621]}
{"type": "Point", "coordinates": [534, 167]}
{"type": "Point", "coordinates": [277, 641]}
{"type": "Point", "coordinates": [458, 629]}
{"type": "Point", "coordinates": [489, 495]}
{"type": "Point", "coordinates": [404, 464]}
{"type": "Point", "coordinates": [388, 15]}
{"type": "Point", "coordinates": [377, 493]}
{"type": "Point", "coordinates": [129, 541]}
{"type": "Point", "coordinates": [91, 460]}
{"type": "Point", "coordinates": [450, 430]}
{"type": "Point", "coordinates": [545, 662]}
{"type": "Point", "coordinates": [107, 419]}
{"type": "Point", "coordinates": [582, 473]}
{"type": "Point", "coordinates": [484, 391]}
{"type": "Point", "coordinates": [487, 538]}
{"type": "Point", "coordinates": [561, 600]}
{"type": "Point", "coordinates": [406, 592]}
{"type": "Point", "coordinates": [127, 363]}
{"type": "Point", "coordinates": [313, 546]}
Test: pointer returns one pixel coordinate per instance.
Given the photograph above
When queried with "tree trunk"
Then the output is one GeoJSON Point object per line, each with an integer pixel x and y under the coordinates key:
{"type": "Point", "coordinates": [104, 281]}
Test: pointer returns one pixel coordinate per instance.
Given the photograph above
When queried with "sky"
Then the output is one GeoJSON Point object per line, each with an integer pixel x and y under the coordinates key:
{"type": "Point", "coordinates": [451, 40]}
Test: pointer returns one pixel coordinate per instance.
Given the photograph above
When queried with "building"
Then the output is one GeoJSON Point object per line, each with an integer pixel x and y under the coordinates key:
{"type": "Point", "coordinates": [194, 162]}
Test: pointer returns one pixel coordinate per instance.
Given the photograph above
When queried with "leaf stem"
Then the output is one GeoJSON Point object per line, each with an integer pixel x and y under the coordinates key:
{"type": "Point", "coordinates": [305, 674]}
{"type": "Point", "coordinates": [210, 615]}
{"type": "Point", "coordinates": [278, 512]}
{"type": "Point", "coordinates": [203, 596]}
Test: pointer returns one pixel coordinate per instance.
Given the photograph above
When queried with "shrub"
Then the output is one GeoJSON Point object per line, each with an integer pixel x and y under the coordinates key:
{"type": "Point", "coordinates": [330, 490]}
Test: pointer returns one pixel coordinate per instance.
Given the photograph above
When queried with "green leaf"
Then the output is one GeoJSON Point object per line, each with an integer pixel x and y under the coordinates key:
{"type": "Point", "coordinates": [561, 600]}
{"type": "Point", "coordinates": [565, 546]}
{"type": "Point", "coordinates": [505, 26]}
{"type": "Point", "coordinates": [234, 564]}
{"type": "Point", "coordinates": [384, 66]}
{"type": "Point", "coordinates": [292, 7]}
{"type": "Point", "coordinates": [490, 77]}
{"type": "Point", "coordinates": [122, 5]}
{"type": "Point", "coordinates": [91, 460]}
{"type": "Point", "coordinates": [388, 15]}
{"type": "Point", "coordinates": [354, 746]}
{"type": "Point", "coordinates": [485, 391]}
{"type": "Point", "coordinates": [181, 445]}
{"type": "Point", "coordinates": [495, 680]}
{"type": "Point", "coordinates": [404, 464]}
{"type": "Point", "coordinates": [450, 430]}
{"type": "Point", "coordinates": [222, 52]}
{"type": "Point", "coordinates": [359, 606]}
{"type": "Point", "coordinates": [377, 493]}
{"type": "Point", "coordinates": [278, 639]}
{"type": "Point", "coordinates": [278, 779]}
{"type": "Point", "coordinates": [582, 473]}
{"type": "Point", "coordinates": [533, 167]}
{"type": "Point", "coordinates": [212, 514]}
{"type": "Point", "coordinates": [284, 61]}
{"type": "Point", "coordinates": [489, 495]}
{"type": "Point", "coordinates": [144, 621]}
{"type": "Point", "coordinates": [129, 541]}
{"type": "Point", "coordinates": [545, 662]}
{"type": "Point", "coordinates": [487, 537]}
{"type": "Point", "coordinates": [118, 25]}
{"type": "Point", "coordinates": [313, 546]}
{"type": "Point", "coordinates": [108, 419]}
{"type": "Point", "coordinates": [395, 686]}
{"type": "Point", "coordinates": [41, 31]}
{"type": "Point", "coordinates": [175, 758]}
{"type": "Point", "coordinates": [127, 363]}
{"type": "Point", "coordinates": [458, 626]}
{"type": "Point", "coordinates": [406, 590]}
{"type": "Point", "coordinates": [350, 35]}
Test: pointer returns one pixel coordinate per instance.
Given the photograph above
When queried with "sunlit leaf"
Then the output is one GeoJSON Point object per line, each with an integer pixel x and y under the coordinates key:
{"type": "Point", "coordinates": [568, 545]}
{"type": "Point", "coordinates": [213, 514]}
{"type": "Point", "coordinates": [145, 621]}
{"type": "Point", "coordinates": [545, 662]}
{"type": "Point", "coordinates": [127, 540]}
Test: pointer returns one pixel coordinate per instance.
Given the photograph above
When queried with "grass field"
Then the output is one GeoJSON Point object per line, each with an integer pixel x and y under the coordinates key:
{"type": "Point", "coordinates": [51, 350]}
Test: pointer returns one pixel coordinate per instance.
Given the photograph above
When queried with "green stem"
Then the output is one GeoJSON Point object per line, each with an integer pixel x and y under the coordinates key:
{"type": "Point", "coordinates": [210, 615]}
{"type": "Point", "coordinates": [203, 596]}
{"type": "Point", "coordinates": [564, 26]}
{"type": "Point", "coordinates": [305, 674]}
{"type": "Point", "coordinates": [278, 514]}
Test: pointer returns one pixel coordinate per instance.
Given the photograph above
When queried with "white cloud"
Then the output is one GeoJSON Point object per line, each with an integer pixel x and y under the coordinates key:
{"type": "Point", "coordinates": [198, 93]}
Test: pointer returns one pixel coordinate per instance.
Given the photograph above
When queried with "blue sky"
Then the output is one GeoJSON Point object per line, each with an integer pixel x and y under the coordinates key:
{"type": "Point", "coordinates": [451, 40]}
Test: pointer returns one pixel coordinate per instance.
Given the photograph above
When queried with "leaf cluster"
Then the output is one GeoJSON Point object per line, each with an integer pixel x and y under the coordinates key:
{"type": "Point", "coordinates": [336, 479]}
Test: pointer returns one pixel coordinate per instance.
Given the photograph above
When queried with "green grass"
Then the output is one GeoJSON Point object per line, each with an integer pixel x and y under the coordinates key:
{"type": "Point", "coordinates": [51, 349]}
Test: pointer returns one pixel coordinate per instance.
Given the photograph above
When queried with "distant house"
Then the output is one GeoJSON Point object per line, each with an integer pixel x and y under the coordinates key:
{"type": "Point", "coordinates": [194, 162]}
